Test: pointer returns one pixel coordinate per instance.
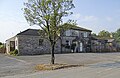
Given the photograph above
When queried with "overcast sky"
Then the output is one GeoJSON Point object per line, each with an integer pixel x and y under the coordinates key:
{"type": "Point", "coordinates": [96, 15]}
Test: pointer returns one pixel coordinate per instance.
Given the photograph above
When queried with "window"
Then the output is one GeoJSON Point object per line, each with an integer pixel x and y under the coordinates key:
{"type": "Point", "coordinates": [82, 35]}
{"type": "Point", "coordinates": [75, 33]}
{"type": "Point", "coordinates": [40, 42]}
{"type": "Point", "coordinates": [67, 42]}
{"type": "Point", "coordinates": [85, 34]}
{"type": "Point", "coordinates": [68, 33]}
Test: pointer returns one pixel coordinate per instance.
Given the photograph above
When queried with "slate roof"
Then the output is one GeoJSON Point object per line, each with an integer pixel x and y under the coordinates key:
{"type": "Point", "coordinates": [74, 27]}
{"type": "Point", "coordinates": [35, 32]}
{"type": "Point", "coordinates": [31, 32]}
{"type": "Point", "coordinates": [81, 29]}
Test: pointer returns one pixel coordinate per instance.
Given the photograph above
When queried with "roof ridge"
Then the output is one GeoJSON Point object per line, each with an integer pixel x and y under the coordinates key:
{"type": "Point", "coordinates": [29, 32]}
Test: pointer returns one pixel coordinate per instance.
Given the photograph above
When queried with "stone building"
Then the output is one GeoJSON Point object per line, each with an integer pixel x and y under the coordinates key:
{"type": "Point", "coordinates": [75, 39]}
{"type": "Point", "coordinates": [104, 45]}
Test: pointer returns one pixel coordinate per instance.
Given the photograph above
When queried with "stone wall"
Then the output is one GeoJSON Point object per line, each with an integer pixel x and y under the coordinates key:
{"type": "Point", "coordinates": [85, 42]}
{"type": "Point", "coordinates": [2, 50]}
{"type": "Point", "coordinates": [30, 45]}
{"type": "Point", "coordinates": [64, 39]}
{"type": "Point", "coordinates": [58, 46]}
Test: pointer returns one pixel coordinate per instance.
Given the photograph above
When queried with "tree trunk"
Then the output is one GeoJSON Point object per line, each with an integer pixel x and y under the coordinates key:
{"type": "Point", "coordinates": [52, 55]}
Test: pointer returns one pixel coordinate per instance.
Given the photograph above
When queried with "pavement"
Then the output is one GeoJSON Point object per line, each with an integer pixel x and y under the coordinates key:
{"type": "Point", "coordinates": [97, 65]}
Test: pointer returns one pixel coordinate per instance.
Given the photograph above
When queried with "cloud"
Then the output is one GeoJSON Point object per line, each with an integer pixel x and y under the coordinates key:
{"type": "Point", "coordinates": [76, 16]}
{"type": "Point", "coordinates": [84, 18]}
{"type": "Point", "coordinates": [109, 19]}
{"type": "Point", "coordinates": [89, 18]}
{"type": "Point", "coordinates": [10, 28]}
{"type": "Point", "coordinates": [97, 23]}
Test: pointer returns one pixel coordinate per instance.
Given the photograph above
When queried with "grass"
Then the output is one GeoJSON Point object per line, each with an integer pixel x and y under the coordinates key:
{"type": "Point", "coordinates": [42, 67]}
{"type": "Point", "coordinates": [1, 46]}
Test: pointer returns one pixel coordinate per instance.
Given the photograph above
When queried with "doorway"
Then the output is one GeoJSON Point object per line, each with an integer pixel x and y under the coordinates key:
{"type": "Point", "coordinates": [12, 45]}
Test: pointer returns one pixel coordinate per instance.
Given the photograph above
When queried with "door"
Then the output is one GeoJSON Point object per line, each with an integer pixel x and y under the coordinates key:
{"type": "Point", "coordinates": [12, 45]}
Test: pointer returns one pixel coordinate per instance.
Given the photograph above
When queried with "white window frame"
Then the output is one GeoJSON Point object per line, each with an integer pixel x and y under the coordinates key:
{"type": "Point", "coordinates": [85, 34]}
{"type": "Point", "coordinates": [68, 32]}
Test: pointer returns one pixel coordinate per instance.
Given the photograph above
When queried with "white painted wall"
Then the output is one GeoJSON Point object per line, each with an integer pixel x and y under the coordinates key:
{"type": "Point", "coordinates": [16, 43]}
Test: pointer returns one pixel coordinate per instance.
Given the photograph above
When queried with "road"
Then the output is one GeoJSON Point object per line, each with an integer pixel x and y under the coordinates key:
{"type": "Point", "coordinates": [97, 65]}
{"type": "Point", "coordinates": [75, 58]}
{"type": "Point", "coordinates": [10, 66]}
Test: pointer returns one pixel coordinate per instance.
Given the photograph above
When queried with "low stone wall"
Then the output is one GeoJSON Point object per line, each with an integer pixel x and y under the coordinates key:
{"type": "Point", "coordinates": [105, 49]}
{"type": "Point", "coordinates": [2, 50]}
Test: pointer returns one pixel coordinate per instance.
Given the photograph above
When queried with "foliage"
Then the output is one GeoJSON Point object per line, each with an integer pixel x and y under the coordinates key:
{"type": "Point", "coordinates": [14, 53]}
{"type": "Point", "coordinates": [72, 22]}
{"type": "Point", "coordinates": [1, 46]}
{"type": "Point", "coordinates": [67, 46]}
{"type": "Point", "coordinates": [104, 33]}
{"type": "Point", "coordinates": [116, 35]}
{"type": "Point", "coordinates": [48, 15]}
{"type": "Point", "coordinates": [1, 43]}
{"type": "Point", "coordinates": [94, 34]}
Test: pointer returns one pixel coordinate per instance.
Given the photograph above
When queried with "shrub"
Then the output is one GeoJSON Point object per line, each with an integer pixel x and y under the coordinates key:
{"type": "Point", "coordinates": [1, 46]}
{"type": "Point", "coordinates": [67, 46]}
{"type": "Point", "coordinates": [0, 43]}
{"type": "Point", "coordinates": [14, 53]}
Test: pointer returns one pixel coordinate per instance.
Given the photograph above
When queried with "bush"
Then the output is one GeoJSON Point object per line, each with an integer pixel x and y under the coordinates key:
{"type": "Point", "coordinates": [1, 43]}
{"type": "Point", "coordinates": [1, 46]}
{"type": "Point", "coordinates": [14, 53]}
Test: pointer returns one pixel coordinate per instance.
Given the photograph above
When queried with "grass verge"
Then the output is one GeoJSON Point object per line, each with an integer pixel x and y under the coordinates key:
{"type": "Point", "coordinates": [42, 67]}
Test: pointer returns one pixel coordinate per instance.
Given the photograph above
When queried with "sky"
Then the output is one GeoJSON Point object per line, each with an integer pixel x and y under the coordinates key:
{"type": "Point", "coordinates": [95, 15]}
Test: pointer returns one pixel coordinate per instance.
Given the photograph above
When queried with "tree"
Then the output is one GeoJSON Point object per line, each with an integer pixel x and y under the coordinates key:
{"type": "Point", "coordinates": [48, 15]}
{"type": "Point", "coordinates": [1, 43]}
{"type": "Point", "coordinates": [94, 34]}
{"type": "Point", "coordinates": [104, 34]}
{"type": "Point", "coordinates": [116, 35]}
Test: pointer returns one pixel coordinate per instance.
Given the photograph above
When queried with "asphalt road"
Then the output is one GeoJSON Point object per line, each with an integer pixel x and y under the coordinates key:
{"type": "Point", "coordinates": [10, 66]}
{"type": "Point", "coordinates": [75, 58]}
{"type": "Point", "coordinates": [80, 72]}
{"type": "Point", "coordinates": [97, 65]}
